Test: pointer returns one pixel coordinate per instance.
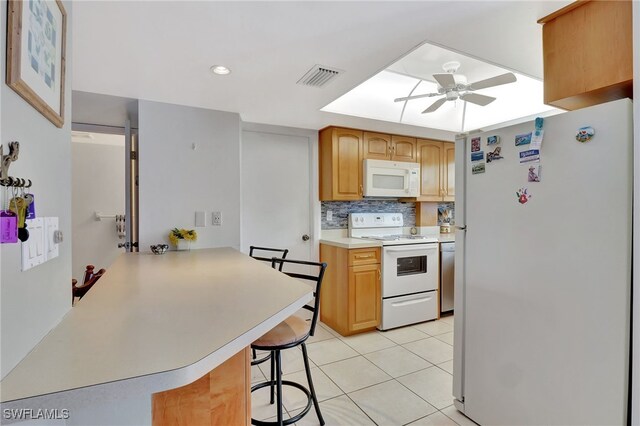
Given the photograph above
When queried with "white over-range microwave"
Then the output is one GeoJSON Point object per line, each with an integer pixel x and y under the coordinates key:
{"type": "Point", "coordinates": [384, 178]}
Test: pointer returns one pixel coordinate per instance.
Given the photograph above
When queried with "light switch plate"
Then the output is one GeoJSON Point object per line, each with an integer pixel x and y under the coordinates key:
{"type": "Point", "coordinates": [201, 219]}
{"type": "Point", "coordinates": [329, 215]}
{"type": "Point", "coordinates": [33, 250]}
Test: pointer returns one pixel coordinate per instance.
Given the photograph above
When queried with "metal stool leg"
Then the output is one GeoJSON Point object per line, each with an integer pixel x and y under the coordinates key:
{"type": "Point", "coordinates": [273, 377]}
{"type": "Point", "coordinates": [279, 385]}
{"type": "Point", "coordinates": [311, 388]}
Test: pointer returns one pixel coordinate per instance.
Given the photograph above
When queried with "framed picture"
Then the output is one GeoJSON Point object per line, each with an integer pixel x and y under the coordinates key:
{"type": "Point", "coordinates": [36, 42]}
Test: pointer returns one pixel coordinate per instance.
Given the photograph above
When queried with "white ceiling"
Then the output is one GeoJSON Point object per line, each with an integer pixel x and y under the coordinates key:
{"type": "Point", "coordinates": [162, 51]}
{"type": "Point", "coordinates": [413, 75]}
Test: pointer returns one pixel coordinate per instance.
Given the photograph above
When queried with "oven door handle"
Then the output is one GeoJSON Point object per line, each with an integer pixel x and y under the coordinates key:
{"type": "Point", "coordinates": [412, 301]}
{"type": "Point", "coordinates": [399, 250]}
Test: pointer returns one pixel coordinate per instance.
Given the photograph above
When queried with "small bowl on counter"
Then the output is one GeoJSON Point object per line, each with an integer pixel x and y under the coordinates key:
{"type": "Point", "coordinates": [159, 248]}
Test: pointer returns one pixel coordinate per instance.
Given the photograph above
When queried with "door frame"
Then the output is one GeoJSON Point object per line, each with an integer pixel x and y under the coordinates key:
{"type": "Point", "coordinates": [131, 191]}
{"type": "Point", "coordinates": [314, 196]}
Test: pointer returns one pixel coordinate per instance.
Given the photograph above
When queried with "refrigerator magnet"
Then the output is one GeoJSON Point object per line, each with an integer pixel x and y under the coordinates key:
{"type": "Point", "coordinates": [523, 139]}
{"type": "Point", "coordinates": [475, 144]}
{"type": "Point", "coordinates": [523, 195]}
{"type": "Point", "coordinates": [495, 155]}
{"type": "Point", "coordinates": [493, 140]}
{"type": "Point", "coordinates": [477, 168]}
{"type": "Point", "coordinates": [534, 173]}
{"type": "Point", "coordinates": [585, 134]}
{"type": "Point", "coordinates": [477, 156]}
{"type": "Point", "coordinates": [530, 156]}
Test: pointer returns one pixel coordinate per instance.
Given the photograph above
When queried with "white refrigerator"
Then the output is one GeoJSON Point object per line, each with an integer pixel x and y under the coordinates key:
{"type": "Point", "coordinates": [542, 289]}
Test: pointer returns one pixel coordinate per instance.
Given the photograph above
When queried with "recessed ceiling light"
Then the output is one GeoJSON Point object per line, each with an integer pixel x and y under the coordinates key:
{"type": "Point", "coordinates": [220, 70]}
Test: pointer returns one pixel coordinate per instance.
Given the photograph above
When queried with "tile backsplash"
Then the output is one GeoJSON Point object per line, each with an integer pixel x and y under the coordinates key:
{"type": "Point", "coordinates": [341, 210]}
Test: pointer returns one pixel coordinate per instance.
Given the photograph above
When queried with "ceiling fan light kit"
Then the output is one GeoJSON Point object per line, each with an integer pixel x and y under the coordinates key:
{"type": "Point", "coordinates": [455, 86]}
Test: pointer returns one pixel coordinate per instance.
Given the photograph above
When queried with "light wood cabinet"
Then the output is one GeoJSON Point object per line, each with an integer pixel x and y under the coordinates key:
{"type": "Point", "coordinates": [430, 157]}
{"type": "Point", "coordinates": [342, 151]}
{"type": "Point", "coordinates": [340, 164]}
{"type": "Point", "coordinates": [378, 146]}
{"type": "Point", "coordinates": [437, 170]}
{"type": "Point", "coordinates": [404, 148]}
{"type": "Point", "coordinates": [449, 171]}
{"type": "Point", "coordinates": [587, 52]}
{"type": "Point", "coordinates": [350, 295]}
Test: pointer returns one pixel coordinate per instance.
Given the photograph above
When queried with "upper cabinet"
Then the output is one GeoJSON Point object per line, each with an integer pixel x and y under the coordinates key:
{"type": "Point", "coordinates": [340, 164]}
{"type": "Point", "coordinates": [588, 56]}
{"type": "Point", "coordinates": [342, 151]}
{"type": "Point", "coordinates": [404, 149]}
{"type": "Point", "coordinates": [378, 146]}
{"type": "Point", "coordinates": [437, 170]}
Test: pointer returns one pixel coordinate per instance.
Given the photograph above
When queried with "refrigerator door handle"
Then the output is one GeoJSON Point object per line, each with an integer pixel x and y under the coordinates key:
{"type": "Point", "coordinates": [461, 228]}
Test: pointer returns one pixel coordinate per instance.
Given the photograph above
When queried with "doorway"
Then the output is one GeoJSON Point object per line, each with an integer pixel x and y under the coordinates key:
{"type": "Point", "coordinates": [276, 191]}
{"type": "Point", "coordinates": [104, 195]}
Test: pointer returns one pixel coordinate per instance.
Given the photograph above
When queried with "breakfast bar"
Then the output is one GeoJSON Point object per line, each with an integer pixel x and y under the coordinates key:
{"type": "Point", "coordinates": [154, 323]}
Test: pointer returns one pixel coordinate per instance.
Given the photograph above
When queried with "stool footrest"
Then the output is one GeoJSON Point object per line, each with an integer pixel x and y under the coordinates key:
{"type": "Point", "coordinates": [290, 420]}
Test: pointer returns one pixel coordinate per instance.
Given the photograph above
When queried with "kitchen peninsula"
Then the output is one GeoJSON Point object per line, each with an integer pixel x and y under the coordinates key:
{"type": "Point", "coordinates": [154, 323]}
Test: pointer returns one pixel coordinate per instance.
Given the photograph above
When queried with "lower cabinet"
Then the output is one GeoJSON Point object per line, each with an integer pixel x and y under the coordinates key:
{"type": "Point", "coordinates": [350, 294]}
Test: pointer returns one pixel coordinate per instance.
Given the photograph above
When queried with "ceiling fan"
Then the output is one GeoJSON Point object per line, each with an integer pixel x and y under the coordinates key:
{"type": "Point", "coordinates": [454, 86]}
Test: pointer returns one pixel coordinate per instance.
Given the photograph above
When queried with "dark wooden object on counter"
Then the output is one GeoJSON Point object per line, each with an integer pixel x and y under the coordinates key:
{"type": "Point", "coordinates": [88, 281]}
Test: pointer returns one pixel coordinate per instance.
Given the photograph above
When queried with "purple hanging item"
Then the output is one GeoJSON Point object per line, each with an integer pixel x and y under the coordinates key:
{"type": "Point", "coordinates": [8, 227]}
{"type": "Point", "coordinates": [31, 206]}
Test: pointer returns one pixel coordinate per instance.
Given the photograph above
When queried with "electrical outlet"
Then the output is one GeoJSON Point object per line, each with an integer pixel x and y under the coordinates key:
{"type": "Point", "coordinates": [216, 218]}
{"type": "Point", "coordinates": [329, 215]}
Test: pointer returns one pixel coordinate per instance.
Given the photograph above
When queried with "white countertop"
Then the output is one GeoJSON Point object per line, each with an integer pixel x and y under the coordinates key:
{"type": "Point", "coordinates": [156, 322]}
{"type": "Point", "coordinates": [339, 237]}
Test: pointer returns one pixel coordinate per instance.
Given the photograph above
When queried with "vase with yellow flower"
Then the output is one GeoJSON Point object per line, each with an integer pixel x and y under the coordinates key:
{"type": "Point", "coordinates": [181, 238]}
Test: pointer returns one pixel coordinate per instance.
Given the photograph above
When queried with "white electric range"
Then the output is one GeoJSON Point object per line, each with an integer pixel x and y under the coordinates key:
{"type": "Point", "coordinates": [410, 268]}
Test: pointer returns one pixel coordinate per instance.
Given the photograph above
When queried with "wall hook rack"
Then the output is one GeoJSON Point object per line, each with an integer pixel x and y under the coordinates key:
{"type": "Point", "coordinates": [7, 159]}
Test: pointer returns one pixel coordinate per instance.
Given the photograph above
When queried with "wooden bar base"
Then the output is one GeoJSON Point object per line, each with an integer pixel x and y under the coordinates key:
{"type": "Point", "coordinates": [221, 397]}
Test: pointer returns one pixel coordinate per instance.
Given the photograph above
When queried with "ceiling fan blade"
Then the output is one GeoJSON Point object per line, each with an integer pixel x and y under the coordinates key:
{"type": "Point", "coordinates": [434, 106]}
{"type": "Point", "coordinates": [445, 80]}
{"type": "Point", "coordinates": [478, 99]}
{"type": "Point", "coordinates": [493, 81]}
{"type": "Point", "coordinates": [408, 98]}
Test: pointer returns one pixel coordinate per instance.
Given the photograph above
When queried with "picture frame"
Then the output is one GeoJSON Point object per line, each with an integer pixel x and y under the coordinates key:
{"type": "Point", "coordinates": [36, 50]}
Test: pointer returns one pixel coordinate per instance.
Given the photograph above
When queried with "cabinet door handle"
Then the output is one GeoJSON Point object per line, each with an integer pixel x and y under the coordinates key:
{"type": "Point", "coordinates": [361, 191]}
{"type": "Point", "coordinates": [379, 275]}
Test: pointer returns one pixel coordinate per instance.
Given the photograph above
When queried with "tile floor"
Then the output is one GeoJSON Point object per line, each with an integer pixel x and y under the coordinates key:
{"type": "Point", "coordinates": [392, 378]}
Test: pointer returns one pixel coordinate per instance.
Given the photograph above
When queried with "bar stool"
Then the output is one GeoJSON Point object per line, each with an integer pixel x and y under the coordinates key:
{"type": "Point", "coordinates": [265, 258]}
{"type": "Point", "coordinates": [292, 332]}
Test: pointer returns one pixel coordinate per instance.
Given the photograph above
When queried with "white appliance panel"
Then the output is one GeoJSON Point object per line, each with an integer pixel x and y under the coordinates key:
{"type": "Point", "coordinates": [383, 178]}
{"type": "Point", "coordinates": [547, 284]}
{"type": "Point", "coordinates": [415, 258]}
{"type": "Point", "coordinates": [410, 309]}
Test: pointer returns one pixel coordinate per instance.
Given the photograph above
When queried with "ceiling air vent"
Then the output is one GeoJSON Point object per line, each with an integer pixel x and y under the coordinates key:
{"type": "Point", "coordinates": [318, 76]}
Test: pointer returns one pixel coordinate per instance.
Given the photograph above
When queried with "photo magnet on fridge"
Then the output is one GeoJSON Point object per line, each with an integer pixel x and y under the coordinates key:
{"type": "Point", "coordinates": [495, 155]}
{"type": "Point", "coordinates": [477, 168]}
{"type": "Point", "coordinates": [534, 173]}
{"type": "Point", "coordinates": [477, 156]}
{"type": "Point", "coordinates": [493, 140]}
{"type": "Point", "coordinates": [524, 139]}
{"type": "Point", "coordinates": [585, 134]}
{"type": "Point", "coordinates": [475, 144]}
